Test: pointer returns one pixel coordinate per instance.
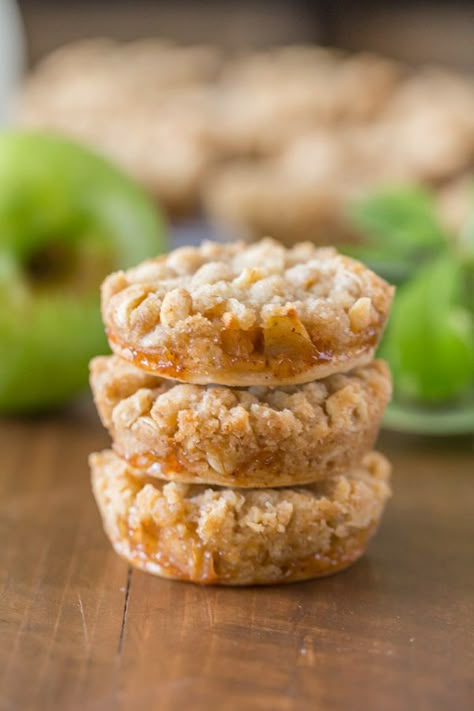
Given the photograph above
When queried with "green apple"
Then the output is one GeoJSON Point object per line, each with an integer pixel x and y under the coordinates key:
{"type": "Point", "coordinates": [67, 218]}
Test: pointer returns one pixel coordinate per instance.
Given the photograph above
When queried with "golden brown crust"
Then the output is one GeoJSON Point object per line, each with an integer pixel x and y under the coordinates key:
{"type": "Point", "coordinates": [246, 315]}
{"type": "Point", "coordinates": [239, 537]}
{"type": "Point", "coordinates": [259, 437]}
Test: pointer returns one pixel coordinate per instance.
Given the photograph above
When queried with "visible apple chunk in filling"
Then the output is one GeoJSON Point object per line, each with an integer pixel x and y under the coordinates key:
{"type": "Point", "coordinates": [286, 338]}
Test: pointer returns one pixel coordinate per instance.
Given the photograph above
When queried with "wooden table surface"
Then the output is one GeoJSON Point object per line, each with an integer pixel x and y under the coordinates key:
{"type": "Point", "coordinates": [80, 630]}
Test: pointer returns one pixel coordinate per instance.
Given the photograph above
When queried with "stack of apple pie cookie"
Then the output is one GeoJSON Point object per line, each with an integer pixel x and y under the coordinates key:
{"type": "Point", "coordinates": [243, 402]}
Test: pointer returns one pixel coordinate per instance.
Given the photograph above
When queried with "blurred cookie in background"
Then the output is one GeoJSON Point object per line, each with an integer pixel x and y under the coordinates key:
{"type": "Point", "coordinates": [303, 193]}
{"type": "Point", "coordinates": [266, 98]}
{"type": "Point", "coordinates": [429, 124]}
{"type": "Point", "coordinates": [94, 73]}
{"type": "Point", "coordinates": [144, 104]}
{"type": "Point", "coordinates": [294, 196]}
{"type": "Point", "coordinates": [278, 141]}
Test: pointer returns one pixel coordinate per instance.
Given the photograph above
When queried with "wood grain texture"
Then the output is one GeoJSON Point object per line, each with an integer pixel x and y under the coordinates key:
{"type": "Point", "coordinates": [79, 630]}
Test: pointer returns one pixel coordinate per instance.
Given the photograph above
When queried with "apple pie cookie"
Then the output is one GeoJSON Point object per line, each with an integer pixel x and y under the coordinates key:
{"type": "Point", "coordinates": [239, 536]}
{"type": "Point", "coordinates": [242, 315]}
{"type": "Point", "coordinates": [256, 437]}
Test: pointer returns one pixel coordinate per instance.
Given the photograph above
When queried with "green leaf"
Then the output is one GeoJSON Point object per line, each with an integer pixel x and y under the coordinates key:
{"type": "Point", "coordinates": [401, 230]}
{"type": "Point", "coordinates": [430, 340]}
{"type": "Point", "coordinates": [466, 241]}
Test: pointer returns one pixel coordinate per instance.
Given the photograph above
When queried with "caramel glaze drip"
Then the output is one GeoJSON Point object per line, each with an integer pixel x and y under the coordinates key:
{"type": "Point", "coordinates": [161, 360]}
{"type": "Point", "coordinates": [144, 552]}
{"type": "Point", "coordinates": [169, 364]}
{"type": "Point", "coordinates": [151, 463]}
{"type": "Point", "coordinates": [263, 467]}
